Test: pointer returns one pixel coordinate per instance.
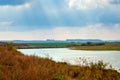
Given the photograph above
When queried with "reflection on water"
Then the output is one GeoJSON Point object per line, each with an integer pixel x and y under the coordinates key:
{"type": "Point", "coordinates": [72, 56]}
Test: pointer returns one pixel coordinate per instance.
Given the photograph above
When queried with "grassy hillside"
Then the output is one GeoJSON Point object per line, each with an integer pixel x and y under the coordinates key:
{"type": "Point", "coordinates": [16, 66]}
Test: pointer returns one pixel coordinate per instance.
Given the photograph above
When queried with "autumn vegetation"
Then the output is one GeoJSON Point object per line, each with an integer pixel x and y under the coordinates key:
{"type": "Point", "coordinates": [16, 66]}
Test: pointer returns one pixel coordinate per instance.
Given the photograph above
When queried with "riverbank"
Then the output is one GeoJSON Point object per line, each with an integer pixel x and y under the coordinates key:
{"type": "Point", "coordinates": [110, 47]}
{"type": "Point", "coordinates": [16, 66]}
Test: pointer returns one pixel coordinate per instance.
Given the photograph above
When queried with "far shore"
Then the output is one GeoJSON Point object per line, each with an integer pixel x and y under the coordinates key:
{"type": "Point", "coordinates": [113, 47]}
{"type": "Point", "coordinates": [73, 46]}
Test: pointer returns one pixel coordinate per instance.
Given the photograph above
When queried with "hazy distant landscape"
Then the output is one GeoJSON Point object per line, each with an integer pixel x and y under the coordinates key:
{"type": "Point", "coordinates": [77, 44]}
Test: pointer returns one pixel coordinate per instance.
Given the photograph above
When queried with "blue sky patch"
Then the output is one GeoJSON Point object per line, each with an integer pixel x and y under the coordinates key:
{"type": "Point", "coordinates": [13, 2]}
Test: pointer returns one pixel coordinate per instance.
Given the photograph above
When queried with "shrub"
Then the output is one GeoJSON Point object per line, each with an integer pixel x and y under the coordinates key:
{"type": "Point", "coordinates": [99, 44]}
{"type": "Point", "coordinates": [58, 77]}
{"type": "Point", "coordinates": [99, 65]}
{"type": "Point", "coordinates": [9, 46]}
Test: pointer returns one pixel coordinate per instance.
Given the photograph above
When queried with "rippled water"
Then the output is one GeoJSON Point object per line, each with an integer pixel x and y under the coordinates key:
{"type": "Point", "coordinates": [73, 56]}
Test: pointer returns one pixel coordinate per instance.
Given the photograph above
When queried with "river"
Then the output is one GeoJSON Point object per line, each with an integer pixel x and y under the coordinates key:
{"type": "Point", "coordinates": [75, 56]}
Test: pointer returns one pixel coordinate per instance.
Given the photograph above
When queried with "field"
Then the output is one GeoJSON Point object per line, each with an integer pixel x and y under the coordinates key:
{"type": "Point", "coordinates": [48, 45]}
{"type": "Point", "coordinates": [115, 46]}
{"type": "Point", "coordinates": [16, 66]}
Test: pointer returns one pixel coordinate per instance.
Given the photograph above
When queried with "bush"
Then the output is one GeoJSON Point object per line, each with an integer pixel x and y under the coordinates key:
{"type": "Point", "coordinates": [9, 46]}
{"type": "Point", "coordinates": [58, 77]}
{"type": "Point", "coordinates": [99, 65]}
{"type": "Point", "coordinates": [92, 44]}
{"type": "Point", "coordinates": [99, 44]}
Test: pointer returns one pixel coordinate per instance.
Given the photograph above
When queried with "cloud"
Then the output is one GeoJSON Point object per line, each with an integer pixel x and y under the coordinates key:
{"type": "Point", "coordinates": [56, 13]}
{"type": "Point", "coordinates": [91, 4]}
{"type": "Point", "coordinates": [5, 23]}
{"type": "Point", "coordinates": [17, 7]}
{"type": "Point", "coordinates": [98, 31]}
{"type": "Point", "coordinates": [13, 2]}
{"type": "Point", "coordinates": [115, 1]}
{"type": "Point", "coordinates": [49, 13]}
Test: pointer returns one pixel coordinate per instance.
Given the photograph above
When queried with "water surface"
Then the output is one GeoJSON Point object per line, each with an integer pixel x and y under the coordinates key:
{"type": "Point", "coordinates": [73, 56]}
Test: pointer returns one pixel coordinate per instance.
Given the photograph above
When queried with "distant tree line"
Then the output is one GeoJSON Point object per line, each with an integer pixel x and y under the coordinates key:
{"type": "Point", "coordinates": [86, 44]}
{"type": "Point", "coordinates": [92, 44]}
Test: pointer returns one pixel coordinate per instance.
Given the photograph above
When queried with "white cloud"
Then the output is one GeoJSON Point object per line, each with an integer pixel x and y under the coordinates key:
{"type": "Point", "coordinates": [5, 23]}
{"type": "Point", "coordinates": [26, 5]}
{"type": "Point", "coordinates": [98, 31]}
{"type": "Point", "coordinates": [18, 7]}
{"type": "Point", "coordinates": [88, 4]}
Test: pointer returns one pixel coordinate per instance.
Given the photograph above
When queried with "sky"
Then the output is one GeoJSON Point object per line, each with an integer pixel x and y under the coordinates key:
{"type": "Point", "coordinates": [59, 19]}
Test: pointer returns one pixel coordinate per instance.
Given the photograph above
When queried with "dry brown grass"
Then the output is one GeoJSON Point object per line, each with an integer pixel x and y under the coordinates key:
{"type": "Point", "coordinates": [15, 66]}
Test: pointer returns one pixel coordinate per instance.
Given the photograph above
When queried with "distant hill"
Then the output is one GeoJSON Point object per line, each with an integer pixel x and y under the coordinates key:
{"type": "Point", "coordinates": [113, 41]}
{"type": "Point", "coordinates": [60, 41]}
{"type": "Point", "coordinates": [84, 40]}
